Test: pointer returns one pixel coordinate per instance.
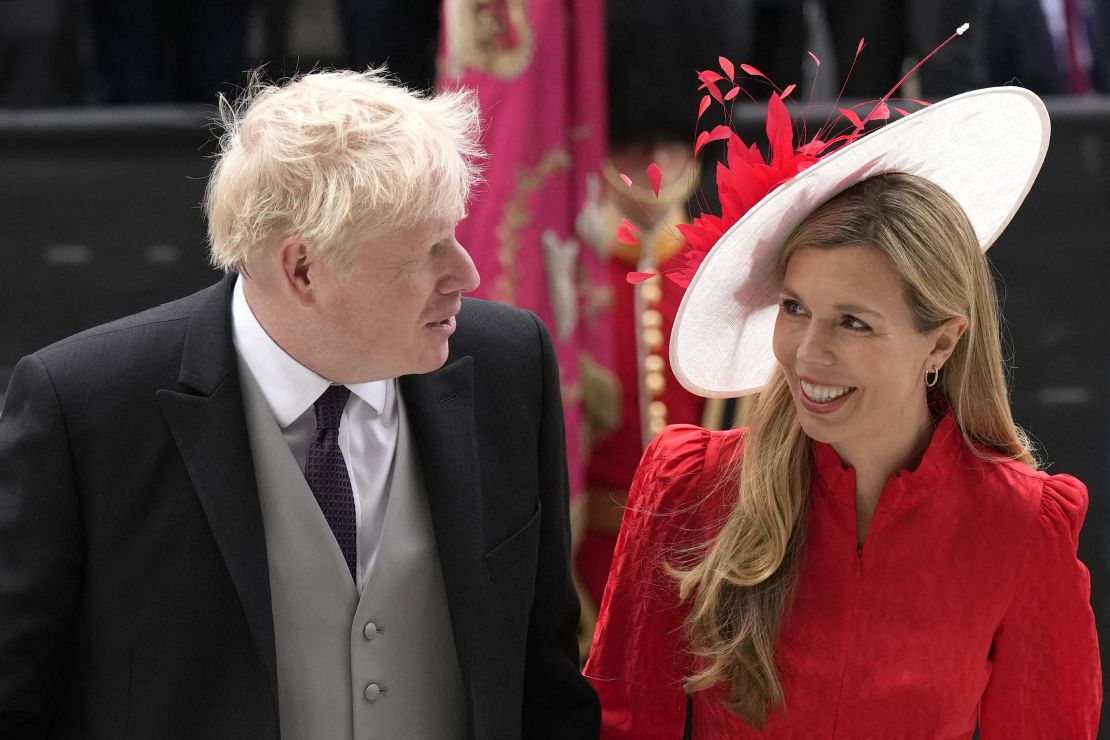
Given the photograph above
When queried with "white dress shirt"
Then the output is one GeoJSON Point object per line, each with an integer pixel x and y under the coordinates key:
{"type": "Point", "coordinates": [367, 431]}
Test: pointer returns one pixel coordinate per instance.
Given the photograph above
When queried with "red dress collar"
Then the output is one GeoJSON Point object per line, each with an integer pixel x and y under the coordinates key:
{"type": "Point", "coordinates": [832, 475]}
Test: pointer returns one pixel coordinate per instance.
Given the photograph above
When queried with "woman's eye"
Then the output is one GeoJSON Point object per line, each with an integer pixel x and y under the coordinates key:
{"type": "Point", "coordinates": [855, 324]}
{"type": "Point", "coordinates": [791, 307]}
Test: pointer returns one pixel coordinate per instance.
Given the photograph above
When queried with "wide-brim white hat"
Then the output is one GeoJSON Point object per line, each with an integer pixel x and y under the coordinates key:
{"type": "Point", "coordinates": [983, 147]}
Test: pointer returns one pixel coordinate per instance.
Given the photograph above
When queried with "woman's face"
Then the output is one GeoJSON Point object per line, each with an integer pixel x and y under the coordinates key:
{"type": "Point", "coordinates": [846, 341]}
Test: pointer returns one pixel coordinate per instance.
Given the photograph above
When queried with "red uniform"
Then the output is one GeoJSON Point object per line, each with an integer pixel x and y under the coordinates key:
{"type": "Point", "coordinates": [967, 603]}
{"type": "Point", "coordinates": [614, 457]}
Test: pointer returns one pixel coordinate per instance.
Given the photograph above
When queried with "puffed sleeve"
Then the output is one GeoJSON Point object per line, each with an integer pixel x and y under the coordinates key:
{"type": "Point", "coordinates": [1046, 681]}
{"type": "Point", "coordinates": [638, 659]}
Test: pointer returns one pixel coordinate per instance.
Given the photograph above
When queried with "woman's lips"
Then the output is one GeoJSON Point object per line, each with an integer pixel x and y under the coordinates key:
{"type": "Point", "coordinates": [822, 398]}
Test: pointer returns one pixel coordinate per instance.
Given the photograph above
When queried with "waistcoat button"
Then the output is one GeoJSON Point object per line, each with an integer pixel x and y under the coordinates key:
{"type": "Point", "coordinates": [370, 630]}
{"type": "Point", "coordinates": [373, 691]}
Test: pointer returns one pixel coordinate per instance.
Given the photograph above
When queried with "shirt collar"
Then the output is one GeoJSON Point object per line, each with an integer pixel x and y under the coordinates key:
{"type": "Point", "coordinates": [289, 387]}
{"type": "Point", "coordinates": [377, 393]}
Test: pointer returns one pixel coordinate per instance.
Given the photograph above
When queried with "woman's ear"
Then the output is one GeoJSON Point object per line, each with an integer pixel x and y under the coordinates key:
{"type": "Point", "coordinates": [945, 338]}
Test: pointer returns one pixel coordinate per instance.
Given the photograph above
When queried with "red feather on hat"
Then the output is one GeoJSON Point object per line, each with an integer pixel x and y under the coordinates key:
{"type": "Point", "coordinates": [745, 178]}
{"type": "Point", "coordinates": [742, 181]}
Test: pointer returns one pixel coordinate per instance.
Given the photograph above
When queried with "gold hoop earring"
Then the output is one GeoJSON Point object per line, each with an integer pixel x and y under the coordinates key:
{"type": "Point", "coordinates": [931, 377]}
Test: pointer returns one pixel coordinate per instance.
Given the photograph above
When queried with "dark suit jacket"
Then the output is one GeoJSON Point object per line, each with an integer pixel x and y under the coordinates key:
{"type": "Point", "coordinates": [1020, 48]}
{"type": "Point", "coordinates": [134, 592]}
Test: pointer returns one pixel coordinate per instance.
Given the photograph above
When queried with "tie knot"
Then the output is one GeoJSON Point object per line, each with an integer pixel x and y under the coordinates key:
{"type": "Point", "coordinates": [330, 405]}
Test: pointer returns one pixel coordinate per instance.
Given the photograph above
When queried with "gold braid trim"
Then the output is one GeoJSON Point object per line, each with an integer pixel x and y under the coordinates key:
{"type": "Point", "coordinates": [678, 191]}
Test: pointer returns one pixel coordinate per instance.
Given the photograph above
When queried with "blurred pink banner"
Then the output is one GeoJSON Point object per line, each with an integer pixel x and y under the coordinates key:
{"type": "Point", "coordinates": [534, 227]}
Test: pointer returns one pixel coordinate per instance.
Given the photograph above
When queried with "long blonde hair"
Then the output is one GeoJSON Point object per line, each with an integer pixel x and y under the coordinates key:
{"type": "Point", "coordinates": [740, 590]}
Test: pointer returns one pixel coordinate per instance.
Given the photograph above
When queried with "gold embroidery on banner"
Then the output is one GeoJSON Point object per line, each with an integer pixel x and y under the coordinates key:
{"type": "Point", "coordinates": [600, 390]}
{"type": "Point", "coordinates": [494, 37]}
{"type": "Point", "coordinates": [561, 264]}
{"type": "Point", "coordinates": [598, 297]}
{"type": "Point", "coordinates": [571, 393]}
{"type": "Point", "coordinates": [516, 217]}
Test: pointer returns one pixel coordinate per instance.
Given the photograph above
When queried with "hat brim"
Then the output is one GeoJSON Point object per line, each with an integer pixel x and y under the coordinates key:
{"type": "Point", "coordinates": [984, 148]}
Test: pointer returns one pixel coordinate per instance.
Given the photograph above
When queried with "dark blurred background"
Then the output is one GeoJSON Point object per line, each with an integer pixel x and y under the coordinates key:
{"type": "Point", "coordinates": [105, 111]}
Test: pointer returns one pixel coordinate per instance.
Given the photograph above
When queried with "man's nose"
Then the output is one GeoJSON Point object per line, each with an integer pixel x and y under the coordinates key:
{"type": "Point", "coordinates": [462, 274]}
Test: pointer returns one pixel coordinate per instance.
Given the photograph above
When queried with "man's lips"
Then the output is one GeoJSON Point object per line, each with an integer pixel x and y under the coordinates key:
{"type": "Point", "coordinates": [444, 316]}
{"type": "Point", "coordinates": [446, 326]}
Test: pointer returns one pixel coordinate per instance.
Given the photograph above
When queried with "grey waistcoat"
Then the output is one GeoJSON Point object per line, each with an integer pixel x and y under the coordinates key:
{"type": "Point", "coordinates": [379, 667]}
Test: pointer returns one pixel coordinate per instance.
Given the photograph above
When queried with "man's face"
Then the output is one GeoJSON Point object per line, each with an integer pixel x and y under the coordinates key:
{"type": "Point", "coordinates": [394, 311]}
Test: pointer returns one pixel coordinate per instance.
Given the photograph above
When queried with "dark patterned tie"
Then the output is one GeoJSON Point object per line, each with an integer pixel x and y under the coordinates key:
{"type": "Point", "coordinates": [326, 473]}
{"type": "Point", "coordinates": [1079, 82]}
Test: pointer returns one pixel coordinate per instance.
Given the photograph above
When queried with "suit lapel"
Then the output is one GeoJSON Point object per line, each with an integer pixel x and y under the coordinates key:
{"type": "Point", "coordinates": [441, 412]}
{"type": "Point", "coordinates": [210, 430]}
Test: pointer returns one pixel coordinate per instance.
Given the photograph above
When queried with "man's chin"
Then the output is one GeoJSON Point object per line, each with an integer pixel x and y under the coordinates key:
{"type": "Point", "coordinates": [432, 362]}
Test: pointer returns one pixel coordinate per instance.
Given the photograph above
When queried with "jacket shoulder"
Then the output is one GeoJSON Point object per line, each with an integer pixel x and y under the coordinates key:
{"type": "Point", "coordinates": [486, 324]}
{"type": "Point", "coordinates": [134, 353]}
{"type": "Point", "coordinates": [129, 330]}
{"type": "Point", "coordinates": [511, 349]}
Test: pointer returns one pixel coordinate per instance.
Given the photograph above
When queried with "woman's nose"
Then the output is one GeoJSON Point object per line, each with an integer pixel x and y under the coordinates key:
{"type": "Point", "coordinates": [816, 345]}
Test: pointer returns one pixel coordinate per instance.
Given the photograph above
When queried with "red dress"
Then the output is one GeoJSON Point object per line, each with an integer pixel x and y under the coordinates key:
{"type": "Point", "coordinates": [966, 604]}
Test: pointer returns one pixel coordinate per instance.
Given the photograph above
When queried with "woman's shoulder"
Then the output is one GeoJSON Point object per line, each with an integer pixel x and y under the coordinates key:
{"type": "Point", "coordinates": [1057, 502]}
{"type": "Point", "coordinates": [684, 468]}
{"type": "Point", "coordinates": [685, 451]}
{"type": "Point", "coordinates": [1032, 496]}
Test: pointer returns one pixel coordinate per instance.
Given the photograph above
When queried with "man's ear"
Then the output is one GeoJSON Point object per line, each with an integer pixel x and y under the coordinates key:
{"type": "Point", "coordinates": [297, 270]}
{"type": "Point", "coordinates": [945, 338]}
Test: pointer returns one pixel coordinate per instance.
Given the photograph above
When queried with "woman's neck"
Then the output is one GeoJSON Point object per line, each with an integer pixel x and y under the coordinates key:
{"type": "Point", "coordinates": [896, 445]}
{"type": "Point", "coordinates": [886, 450]}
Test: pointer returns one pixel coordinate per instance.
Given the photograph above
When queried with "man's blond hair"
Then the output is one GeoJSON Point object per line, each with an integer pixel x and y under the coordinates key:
{"type": "Point", "coordinates": [334, 158]}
